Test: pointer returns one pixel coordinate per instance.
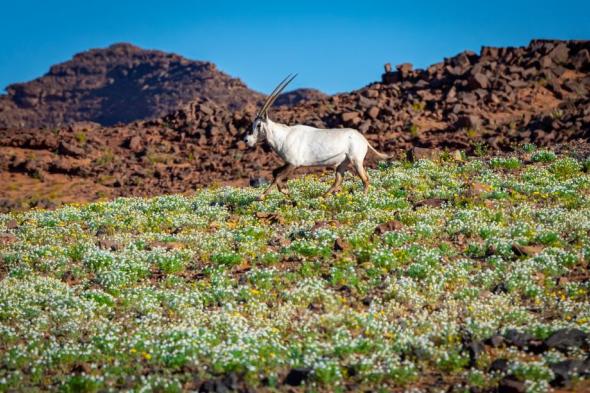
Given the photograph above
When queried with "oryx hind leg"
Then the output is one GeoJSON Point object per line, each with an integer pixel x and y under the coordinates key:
{"type": "Point", "coordinates": [362, 173]}
{"type": "Point", "coordinates": [339, 172]}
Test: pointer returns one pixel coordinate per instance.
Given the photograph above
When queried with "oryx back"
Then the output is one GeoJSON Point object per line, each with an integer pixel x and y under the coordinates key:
{"type": "Point", "coordinates": [309, 146]}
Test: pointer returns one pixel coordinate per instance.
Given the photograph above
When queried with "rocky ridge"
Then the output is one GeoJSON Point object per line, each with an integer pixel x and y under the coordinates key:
{"type": "Point", "coordinates": [118, 84]}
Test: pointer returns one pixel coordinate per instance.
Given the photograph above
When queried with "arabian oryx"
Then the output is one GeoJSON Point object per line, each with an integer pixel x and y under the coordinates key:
{"type": "Point", "coordinates": [301, 145]}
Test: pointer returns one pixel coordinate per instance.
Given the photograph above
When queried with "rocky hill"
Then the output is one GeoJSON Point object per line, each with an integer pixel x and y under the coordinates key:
{"type": "Point", "coordinates": [298, 96]}
{"type": "Point", "coordinates": [538, 93]}
{"type": "Point", "coordinates": [494, 100]}
{"type": "Point", "coordinates": [119, 84]}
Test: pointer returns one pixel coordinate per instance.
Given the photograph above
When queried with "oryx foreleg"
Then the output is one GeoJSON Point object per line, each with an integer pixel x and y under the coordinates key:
{"type": "Point", "coordinates": [282, 179]}
{"type": "Point", "coordinates": [278, 175]}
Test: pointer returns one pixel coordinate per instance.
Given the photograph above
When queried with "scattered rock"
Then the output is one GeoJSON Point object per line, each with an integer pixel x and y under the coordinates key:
{"type": "Point", "coordinates": [518, 339]}
{"type": "Point", "coordinates": [349, 116]}
{"type": "Point", "coordinates": [11, 224]}
{"type": "Point", "coordinates": [70, 150]}
{"type": "Point", "coordinates": [479, 81]}
{"type": "Point", "coordinates": [404, 68]}
{"type": "Point", "coordinates": [478, 189]}
{"type": "Point", "coordinates": [107, 244]}
{"type": "Point", "coordinates": [420, 153]}
{"type": "Point", "coordinates": [531, 250]}
{"type": "Point", "coordinates": [81, 367]}
{"type": "Point", "coordinates": [432, 202]}
{"type": "Point", "coordinates": [510, 384]}
{"type": "Point", "coordinates": [373, 112]}
{"type": "Point", "coordinates": [474, 349]}
{"type": "Point", "coordinates": [390, 226]}
{"type": "Point", "coordinates": [258, 182]}
{"type": "Point", "coordinates": [135, 144]}
{"type": "Point", "coordinates": [226, 384]}
{"type": "Point", "coordinates": [499, 366]}
{"type": "Point", "coordinates": [297, 376]}
{"type": "Point", "coordinates": [495, 341]}
{"type": "Point", "coordinates": [7, 205]}
{"type": "Point", "coordinates": [582, 60]}
{"type": "Point", "coordinates": [318, 225]}
{"type": "Point", "coordinates": [564, 371]}
{"type": "Point", "coordinates": [500, 288]}
{"type": "Point", "coordinates": [340, 245]}
{"type": "Point", "coordinates": [7, 238]}
{"type": "Point", "coordinates": [560, 53]}
{"type": "Point", "coordinates": [565, 339]}
{"type": "Point", "coordinates": [468, 121]}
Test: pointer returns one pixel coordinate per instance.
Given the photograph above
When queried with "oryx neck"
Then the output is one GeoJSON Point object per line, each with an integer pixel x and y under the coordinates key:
{"type": "Point", "coordinates": [276, 133]}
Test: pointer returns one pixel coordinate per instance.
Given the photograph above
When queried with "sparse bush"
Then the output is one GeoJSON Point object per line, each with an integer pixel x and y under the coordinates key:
{"type": "Point", "coordinates": [81, 137]}
{"type": "Point", "coordinates": [418, 106]}
{"type": "Point", "coordinates": [505, 162]}
{"type": "Point", "coordinates": [544, 156]}
{"type": "Point", "coordinates": [226, 259]}
{"type": "Point", "coordinates": [565, 168]}
{"type": "Point", "coordinates": [529, 147]}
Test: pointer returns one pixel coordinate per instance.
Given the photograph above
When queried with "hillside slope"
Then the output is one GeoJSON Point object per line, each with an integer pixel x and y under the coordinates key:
{"type": "Point", "coordinates": [471, 274]}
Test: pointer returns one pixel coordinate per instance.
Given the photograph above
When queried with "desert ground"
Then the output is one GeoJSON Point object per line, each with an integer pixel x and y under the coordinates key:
{"type": "Point", "coordinates": [135, 254]}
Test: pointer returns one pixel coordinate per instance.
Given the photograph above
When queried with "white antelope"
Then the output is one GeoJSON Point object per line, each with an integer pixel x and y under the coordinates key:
{"type": "Point", "coordinates": [301, 145]}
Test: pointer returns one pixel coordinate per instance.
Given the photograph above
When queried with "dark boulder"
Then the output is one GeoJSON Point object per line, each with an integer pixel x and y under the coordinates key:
{"type": "Point", "coordinates": [499, 366]}
{"type": "Point", "coordinates": [565, 339]}
{"type": "Point", "coordinates": [511, 384]}
{"type": "Point", "coordinates": [68, 149]}
{"type": "Point", "coordinates": [564, 371]}
{"type": "Point", "coordinates": [517, 338]}
{"type": "Point", "coordinates": [297, 376]}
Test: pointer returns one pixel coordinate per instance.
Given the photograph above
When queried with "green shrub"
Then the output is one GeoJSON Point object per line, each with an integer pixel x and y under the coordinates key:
{"type": "Point", "coordinates": [226, 259]}
{"type": "Point", "coordinates": [565, 168]}
{"type": "Point", "coordinates": [544, 156]}
{"type": "Point", "coordinates": [505, 162]}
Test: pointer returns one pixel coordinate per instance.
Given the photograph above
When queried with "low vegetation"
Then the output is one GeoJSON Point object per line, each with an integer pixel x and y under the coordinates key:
{"type": "Point", "coordinates": [433, 279]}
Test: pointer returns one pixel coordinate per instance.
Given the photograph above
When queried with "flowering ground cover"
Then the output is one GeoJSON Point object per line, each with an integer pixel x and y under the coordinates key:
{"type": "Point", "coordinates": [470, 274]}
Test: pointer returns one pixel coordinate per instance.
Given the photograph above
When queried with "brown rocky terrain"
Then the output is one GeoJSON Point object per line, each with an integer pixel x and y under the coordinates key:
{"type": "Point", "coordinates": [493, 100]}
{"type": "Point", "coordinates": [118, 84]}
{"type": "Point", "coordinates": [298, 96]}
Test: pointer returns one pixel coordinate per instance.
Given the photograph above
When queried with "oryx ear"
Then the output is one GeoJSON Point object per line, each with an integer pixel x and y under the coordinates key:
{"type": "Point", "coordinates": [265, 116]}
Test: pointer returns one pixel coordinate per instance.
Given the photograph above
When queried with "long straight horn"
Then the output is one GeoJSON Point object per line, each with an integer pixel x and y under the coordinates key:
{"type": "Point", "coordinates": [275, 93]}
{"type": "Point", "coordinates": [269, 97]}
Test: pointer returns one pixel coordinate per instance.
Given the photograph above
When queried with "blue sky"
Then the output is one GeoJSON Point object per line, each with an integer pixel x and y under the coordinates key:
{"type": "Point", "coordinates": [334, 46]}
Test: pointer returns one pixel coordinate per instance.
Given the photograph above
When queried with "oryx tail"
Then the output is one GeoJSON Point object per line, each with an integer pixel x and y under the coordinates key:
{"type": "Point", "coordinates": [378, 153]}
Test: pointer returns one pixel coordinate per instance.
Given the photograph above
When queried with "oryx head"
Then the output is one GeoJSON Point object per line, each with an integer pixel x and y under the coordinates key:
{"type": "Point", "coordinates": [261, 120]}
